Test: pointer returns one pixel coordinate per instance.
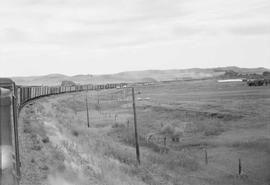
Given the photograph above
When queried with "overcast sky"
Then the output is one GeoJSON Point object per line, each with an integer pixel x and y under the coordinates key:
{"type": "Point", "coordinates": [109, 36]}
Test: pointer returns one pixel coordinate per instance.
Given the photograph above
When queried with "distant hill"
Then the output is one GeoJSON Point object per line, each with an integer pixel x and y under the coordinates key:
{"type": "Point", "coordinates": [51, 79]}
{"type": "Point", "coordinates": [255, 73]}
{"type": "Point", "coordinates": [141, 76]}
{"type": "Point", "coordinates": [258, 70]}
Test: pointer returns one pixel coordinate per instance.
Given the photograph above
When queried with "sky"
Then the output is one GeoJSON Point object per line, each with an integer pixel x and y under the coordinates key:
{"type": "Point", "coordinates": [39, 37]}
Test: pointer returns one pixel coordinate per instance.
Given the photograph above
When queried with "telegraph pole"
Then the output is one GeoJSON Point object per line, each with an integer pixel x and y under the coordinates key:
{"type": "Point", "coordinates": [87, 112]}
{"type": "Point", "coordinates": [135, 127]}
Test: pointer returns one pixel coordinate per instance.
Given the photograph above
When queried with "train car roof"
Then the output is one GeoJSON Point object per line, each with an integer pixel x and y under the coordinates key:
{"type": "Point", "coordinates": [5, 80]}
{"type": "Point", "coordinates": [6, 83]}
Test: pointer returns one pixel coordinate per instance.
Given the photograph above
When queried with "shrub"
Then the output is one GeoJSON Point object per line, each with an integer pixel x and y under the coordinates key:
{"type": "Point", "coordinates": [45, 140]}
{"type": "Point", "coordinates": [210, 127]}
{"type": "Point", "coordinates": [174, 160]}
{"type": "Point", "coordinates": [75, 133]}
{"type": "Point", "coordinates": [173, 131]}
{"type": "Point", "coordinates": [121, 155]}
{"type": "Point", "coordinates": [118, 125]}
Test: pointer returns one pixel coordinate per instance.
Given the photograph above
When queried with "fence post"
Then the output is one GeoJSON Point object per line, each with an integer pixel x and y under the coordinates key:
{"type": "Point", "coordinates": [205, 156]}
{"type": "Point", "coordinates": [115, 118]}
{"type": "Point", "coordinates": [127, 123]}
{"type": "Point", "coordinates": [135, 127]}
{"type": "Point", "coordinates": [239, 167]}
{"type": "Point", "coordinates": [165, 141]}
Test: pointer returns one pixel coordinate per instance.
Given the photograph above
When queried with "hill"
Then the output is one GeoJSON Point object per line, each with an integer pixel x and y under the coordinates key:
{"type": "Point", "coordinates": [139, 76]}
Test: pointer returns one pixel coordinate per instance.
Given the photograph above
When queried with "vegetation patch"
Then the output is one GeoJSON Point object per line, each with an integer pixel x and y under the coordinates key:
{"type": "Point", "coordinates": [210, 127]}
{"type": "Point", "coordinates": [261, 144]}
{"type": "Point", "coordinates": [126, 135]}
{"type": "Point", "coordinates": [176, 160]}
{"type": "Point", "coordinates": [75, 133]}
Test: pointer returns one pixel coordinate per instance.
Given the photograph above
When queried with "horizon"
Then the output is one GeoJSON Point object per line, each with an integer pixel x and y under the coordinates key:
{"type": "Point", "coordinates": [104, 37]}
{"type": "Point", "coordinates": [84, 74]}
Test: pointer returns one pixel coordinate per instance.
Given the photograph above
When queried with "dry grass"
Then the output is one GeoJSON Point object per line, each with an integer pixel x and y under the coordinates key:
{"type": "Point", "coordinates": [123, 157]}
{"type": "Point", "coordinates": [105, 153]}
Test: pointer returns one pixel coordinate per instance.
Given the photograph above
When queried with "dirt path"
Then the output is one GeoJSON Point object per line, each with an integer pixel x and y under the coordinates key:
{"type": "Point", "coordinates": [45, 161]}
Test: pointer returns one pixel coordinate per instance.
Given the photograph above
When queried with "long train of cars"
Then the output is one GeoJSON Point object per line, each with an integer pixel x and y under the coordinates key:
{"type": "Point", "coordinates": [258, 82]}
{"type": "Point", "coordinates": [12, 99]}
{"type": "Point", "coordinates": [26, 93]}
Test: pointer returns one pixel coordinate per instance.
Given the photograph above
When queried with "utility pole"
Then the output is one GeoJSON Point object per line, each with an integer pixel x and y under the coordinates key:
{"type": "Point", "coordinates": [87, 112]}
{"type": "Point", "coordinates": [135, 127]}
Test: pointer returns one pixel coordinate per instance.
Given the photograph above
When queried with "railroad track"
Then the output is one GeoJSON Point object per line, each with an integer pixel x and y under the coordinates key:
{"type": "Point", "coordinates": [12, 100]}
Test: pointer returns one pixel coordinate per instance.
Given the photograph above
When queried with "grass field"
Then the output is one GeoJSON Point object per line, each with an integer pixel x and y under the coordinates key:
{"type": "Point", "coordinates": [228, 121]}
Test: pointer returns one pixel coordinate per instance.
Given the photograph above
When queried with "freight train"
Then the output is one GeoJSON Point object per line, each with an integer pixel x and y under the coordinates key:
{"type": "Point", "coordinates": [258, 82]}
{"type": "Point", "coordinates": [26, 93]}
{"type": "Point", "coordinates": [12, 99]}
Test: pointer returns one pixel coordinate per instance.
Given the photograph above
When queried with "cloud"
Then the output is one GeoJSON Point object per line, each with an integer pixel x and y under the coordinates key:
{"type": "Point", "coordinates": [63, 29]}
{"type": "Point", "coordinates": [255, 30]}
{"type": "Point", "coordinates": [187, 30]}
{"type": "Point", "coordinates": [104, 22]}
{"type": "Point", "coordinates": [13, 35]}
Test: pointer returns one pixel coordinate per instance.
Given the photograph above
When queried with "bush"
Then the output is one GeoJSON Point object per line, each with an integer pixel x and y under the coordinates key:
{"type": "Point", "coordinates": [173, 131]}
{"type": "Point", "coordinates": [97, 107]}
{"type": "Point", "coordinates": [174, 160]}
{"type": "Point", "coordinates": [128, 138]}
{"type": "Point", "coordinates": [210, 127]}
{"type": "Point", "coordinates": [121, 155]}
{"type": "Point", "coordinates": [45, 140]}
{"type": "Point", "coordinates": [75, 133]}
{"type": "Point", "coordinates": [118, 125]}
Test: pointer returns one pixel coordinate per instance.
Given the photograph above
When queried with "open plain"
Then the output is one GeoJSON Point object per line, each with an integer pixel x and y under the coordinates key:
{"type": "Point", "coordinates": [190, 133]}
